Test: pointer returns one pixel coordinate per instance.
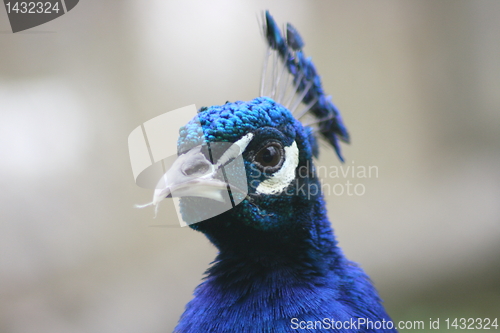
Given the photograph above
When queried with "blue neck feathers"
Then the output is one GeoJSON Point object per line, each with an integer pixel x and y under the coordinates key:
{"type": "Point", "coordinates": [262, 280]}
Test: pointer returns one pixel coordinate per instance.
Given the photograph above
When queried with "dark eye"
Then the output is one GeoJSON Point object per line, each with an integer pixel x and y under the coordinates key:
{"type": "Point", "coordinates": [270, 157]}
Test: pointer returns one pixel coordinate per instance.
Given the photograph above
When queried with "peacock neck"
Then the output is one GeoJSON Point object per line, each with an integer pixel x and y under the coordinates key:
{"type": "Point", "coordinates": [306, 249]}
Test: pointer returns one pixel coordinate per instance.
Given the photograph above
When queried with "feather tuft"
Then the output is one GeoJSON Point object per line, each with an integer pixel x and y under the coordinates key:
{"type": "Point", "coordinates": [301, 83]}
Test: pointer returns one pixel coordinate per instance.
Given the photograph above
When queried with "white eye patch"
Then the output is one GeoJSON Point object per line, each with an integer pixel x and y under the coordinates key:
{"type": "Point", "coordinates": [236, 149]}
{"type": "Point", "coordinates": [284, 176]}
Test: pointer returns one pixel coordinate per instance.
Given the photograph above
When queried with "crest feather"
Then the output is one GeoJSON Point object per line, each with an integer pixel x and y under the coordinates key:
{"type": "Point", "coordinates": [292, 80]}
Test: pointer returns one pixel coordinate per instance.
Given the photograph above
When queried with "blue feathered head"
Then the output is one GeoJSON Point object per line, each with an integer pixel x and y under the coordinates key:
{"type": "Point", "coordinates": [274, 181]}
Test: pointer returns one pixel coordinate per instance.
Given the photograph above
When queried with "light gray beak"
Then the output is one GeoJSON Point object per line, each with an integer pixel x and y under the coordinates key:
{"type": "Point", "coordinates": [192, 174]}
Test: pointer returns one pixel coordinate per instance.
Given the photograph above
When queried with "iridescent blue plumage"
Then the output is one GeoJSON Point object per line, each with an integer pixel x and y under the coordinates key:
{"type": "Point", "coordinates": [279, 267]}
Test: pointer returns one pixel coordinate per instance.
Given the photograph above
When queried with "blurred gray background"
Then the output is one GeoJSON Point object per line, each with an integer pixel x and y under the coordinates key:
{"type": "Point", "coordinates": [417, 82]}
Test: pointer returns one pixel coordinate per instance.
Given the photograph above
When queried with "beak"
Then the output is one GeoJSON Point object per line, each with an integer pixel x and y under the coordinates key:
{"type": "Point", "coordinates": [192, 174]}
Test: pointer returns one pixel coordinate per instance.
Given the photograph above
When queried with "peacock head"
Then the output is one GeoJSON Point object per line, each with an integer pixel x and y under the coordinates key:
{"type": "Point", "coordinates": [253, 157]}
{"type": "Point", "coordinates": [247, 166]}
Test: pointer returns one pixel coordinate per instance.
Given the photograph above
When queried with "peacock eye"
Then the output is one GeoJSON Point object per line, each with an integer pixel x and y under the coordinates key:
{"type": "Point", "coordinates": [270, 157]}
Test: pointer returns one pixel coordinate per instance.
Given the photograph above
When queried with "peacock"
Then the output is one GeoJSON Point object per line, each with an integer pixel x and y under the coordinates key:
{"type": "Point", "coordinates": [279, 268]}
